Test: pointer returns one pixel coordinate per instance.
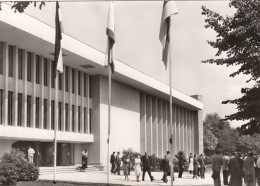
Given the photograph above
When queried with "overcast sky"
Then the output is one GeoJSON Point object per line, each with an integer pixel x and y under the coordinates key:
{"type": "Point", "coordinates": [138, 45]}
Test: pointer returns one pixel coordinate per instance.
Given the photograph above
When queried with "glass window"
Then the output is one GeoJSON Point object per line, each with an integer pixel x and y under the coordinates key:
{"type": "Point", "coordinates": [73, 81]}
{"type": "Point", "coordinates": [29, 105]}
{"type": "Point", "coordinates": [10, 108]}
{"type": "Point", "coordinates": [20, 64]}
{"type": "Point", "coordinates": [73, 118]}
{"type": "Point", "coordinates": [79, 118]}
{"type": "Point", "coordinates": [79, 85]}
{"type": "Point", "coordinates": [1, 57]}
{"type": "Point", "coordinates": [38, 69]}
{"type": "Point", "coordinates": [45, 113]}
{"type": "Point", "coordinates": [60, 81]}
{"type": "Point", "coordinates": [52, 114]}
{"type": "Point", "coordinates": [66, 78]}
{"type": "Point", "coordinates": [90, 84]}
{"type": "Point", "coordinates": [90, 122]}
{"type": "Point", "coordinates": [29, 66]}
{"type": "Point", "coordinates": [85, 84]}
{"type": "Point", "coordinates": [1, 106]}
{"type": "Point", "coordinates": [53, 71]}
{"type": "Point", "coordinates": [19, 109]}
{"type": "Point", "coordinates": [37, 112]}
{"type": "Point", "coordinates": [60, 115]}
{"type": "Point", "coordinates": [11, 60]}
{"type": "Point", "coordinates": [85, 120]}
{"type": "Point", "coordinates": [45, 72]}
{"type": "Point", "coordinates": [67, 117]}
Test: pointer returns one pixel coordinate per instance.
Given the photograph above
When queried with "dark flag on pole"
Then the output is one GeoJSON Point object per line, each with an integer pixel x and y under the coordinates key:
{"type": "Point", "coordinates": [169, 8]}
{"type": "Point", "coordinates": [110, 32]}
{"type": "Point", "coordinates": [171, 140]}
{"type": "Point", "coordinates": [58, 37]}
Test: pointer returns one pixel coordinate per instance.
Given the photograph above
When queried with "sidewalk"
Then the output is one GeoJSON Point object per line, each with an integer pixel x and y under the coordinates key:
{"type": "Point", "coordinates": [101, 177]}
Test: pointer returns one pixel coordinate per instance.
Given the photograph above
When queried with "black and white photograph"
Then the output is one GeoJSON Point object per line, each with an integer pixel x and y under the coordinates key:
{"type": "Point", "coordinates": [114, 93]}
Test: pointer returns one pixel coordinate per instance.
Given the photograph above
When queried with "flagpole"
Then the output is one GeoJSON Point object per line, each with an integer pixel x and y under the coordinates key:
{"type": "Point", "coordinates": [170, 86]}
{"type": "Point", "coordinates": [55, 126]}
{"type": "Point", "coordinates": [109, 119]}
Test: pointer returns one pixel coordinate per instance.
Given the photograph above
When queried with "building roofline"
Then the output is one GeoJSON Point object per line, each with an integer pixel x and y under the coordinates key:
{"type": "Point", "coordinates": [124, 72]}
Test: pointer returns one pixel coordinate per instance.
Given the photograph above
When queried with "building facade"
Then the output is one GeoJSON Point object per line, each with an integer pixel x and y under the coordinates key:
{"type": "Point", "coordinates": [33, 101]}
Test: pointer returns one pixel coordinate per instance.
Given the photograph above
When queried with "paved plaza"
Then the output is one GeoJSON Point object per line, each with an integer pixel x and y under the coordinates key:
{"type": "Point", "coordinates": [101, 177]}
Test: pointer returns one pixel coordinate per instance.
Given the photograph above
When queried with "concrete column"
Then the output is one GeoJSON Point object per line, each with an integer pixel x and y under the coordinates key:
{"type": "Point", "coordinates": [49, 95]}
{"type": "Point", "coordinates": [76, 101]}
{"type": "Point", "coordinates": [83, 100]}
{"type": "Point", "coordinates": [198, 128]}
{"type": "Point", "coordinates": [165, 123]}
{"type": "Point", "coordinates": [24, 105]}
{"type": "Point", "coordinates": [186, 145]}
{"type": "Point", "coordinates": [88, 100]}
{"type": "Point", "coordinates": [160, 129]}
{"type": "Point", "coordinates": [70, 99]}
{"type": "Point", "coordinates": [64, 101]}
{"type": "Point", "coordinates": [149, 124]}
{"type": "Point", "coordinates": [154, 127]}
{"type": "Point", "coordinates": [178, 128]}
{"type": "Point", "coordinates": [42, 92]}
{"type": "Point", "coordinates": [174, 129]}
{"type": "Point", "coordinates": [143, 134]}
{"type": "Point", "coordinates": [169, 127]}
{"type": "Point", "coordinates": [15, 94]}
{"type": "Point", "coordinates": [34, 90]}
{"type": "Point", "coordinates": [6, 84]}
{"type": "Point", "coordinates": [192, 132]}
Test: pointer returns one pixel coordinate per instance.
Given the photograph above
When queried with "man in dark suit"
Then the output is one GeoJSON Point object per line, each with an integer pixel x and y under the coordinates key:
{"type": "Point", "coordinates": [113, 162]}
{"type": "Point", "coordinates": [181, 164]}
{"type": "Point", "coordinates": [216, 168]}
{"type": "Point", "coordinates": [118, 163]}
{"type": "Point", "coordinates": [146, 166]}
{"type": "Point", "coordinates": [202, 163]}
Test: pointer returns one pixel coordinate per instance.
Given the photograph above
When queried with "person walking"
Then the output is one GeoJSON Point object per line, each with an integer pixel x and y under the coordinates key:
{"type": "Point", "coordinates": [190, 168]}
{"type": "Point", "coordinates": [195, 166]}
{"type": "Point", "coordinates": [225, 161]}
{"type": "Point", "coordinates": [113, 162]}
{"type": "Point", "coordinates": [235, 171]}
{"type": "Point", "coordinates": [202, 163]}
{"type": "Point", "coordinates": [257, 174]}
{"type": "Point", "coordinates": [165, 167]}
{"type": "Point", "coordinates": [146, 166]}
{"type": "Point", "coordinates": [137, 167]}
{"type": "Point", "coordinates": [249, 170]}
{"type": "Point", "coordinates": [84, 158]}
{"type": "Point", "coordinates": [31, 153]}
{"type": "Point", "coordinates": [216, 168]}
{"type": "Point", "coordinates": [126, 164]}
{"type": "Point", "coordinates": [118, 163]}
{"type": "Point", "coordinates": [181, 164]}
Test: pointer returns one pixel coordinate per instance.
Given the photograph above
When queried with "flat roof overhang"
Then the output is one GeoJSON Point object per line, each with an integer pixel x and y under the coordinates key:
{"type": "Point", "coordinates": [28, 33]}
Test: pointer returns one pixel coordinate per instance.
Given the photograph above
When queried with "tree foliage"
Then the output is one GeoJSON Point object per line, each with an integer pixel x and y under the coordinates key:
{"type": "Point", "coordinates": [20, 6]}
{"type": "Point", "coordinates": [238, 38]}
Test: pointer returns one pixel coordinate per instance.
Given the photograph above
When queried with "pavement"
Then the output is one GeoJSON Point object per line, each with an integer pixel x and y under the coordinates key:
{"type": "Point", "coordinates": [96, 177]}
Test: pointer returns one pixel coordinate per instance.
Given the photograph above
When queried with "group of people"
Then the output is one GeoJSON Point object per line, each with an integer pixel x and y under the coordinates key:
{"type": "Point", "coordinates": [238, 167]}
{"type": "Point", "coordinates": [138, 161]}
{"type": "Point", "coordinates": [197, 165]}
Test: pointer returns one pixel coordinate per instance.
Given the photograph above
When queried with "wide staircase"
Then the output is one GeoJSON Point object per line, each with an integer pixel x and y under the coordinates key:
{"type": "Point", "coordinates": [68, 169]}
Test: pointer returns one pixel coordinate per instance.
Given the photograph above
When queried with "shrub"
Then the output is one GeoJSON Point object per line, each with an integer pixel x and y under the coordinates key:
{"type": "Point", "coordinates": [14, 167]}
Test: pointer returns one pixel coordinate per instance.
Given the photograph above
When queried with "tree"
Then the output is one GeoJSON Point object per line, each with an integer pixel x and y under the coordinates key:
{"type": "Point", "coordinates": [238, 37]}
{"type": "Point", "coordinates": [247, 143]}
{"type": "Point", "coordinates": [20, 6]}
{"type": "Point", "coordinates": [228, 141]}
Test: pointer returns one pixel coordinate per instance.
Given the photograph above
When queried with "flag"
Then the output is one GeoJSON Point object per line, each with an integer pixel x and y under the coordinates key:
{"type": "Point", "coordinates": [169, 8]}
{"type": "Point", "coordinates": [171, 139]}
{"type": "Point", "coordinates": [110, 32]}
{"type": "Point", "coordinates": [58, 37]}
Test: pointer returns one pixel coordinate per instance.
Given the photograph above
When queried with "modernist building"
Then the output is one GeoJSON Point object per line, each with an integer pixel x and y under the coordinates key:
{"type": "Point", "coordinates": [29, 108]}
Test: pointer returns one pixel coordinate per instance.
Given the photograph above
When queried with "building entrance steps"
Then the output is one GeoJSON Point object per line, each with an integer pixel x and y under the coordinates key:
{"type": "Point", "coordinates": [65, 169]}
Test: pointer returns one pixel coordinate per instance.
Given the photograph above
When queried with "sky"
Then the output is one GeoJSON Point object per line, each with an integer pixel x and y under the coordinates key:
{"type": "Point", "coordinates": [138, 45]}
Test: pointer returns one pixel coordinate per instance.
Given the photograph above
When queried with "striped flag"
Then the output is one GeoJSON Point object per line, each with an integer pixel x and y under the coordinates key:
{"type": "Point", "coordinates": [169, 8]}
{"type": "Point", "coordinates": [58, 37]}
{"type": "Point", "coordinates": [110, 32]}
